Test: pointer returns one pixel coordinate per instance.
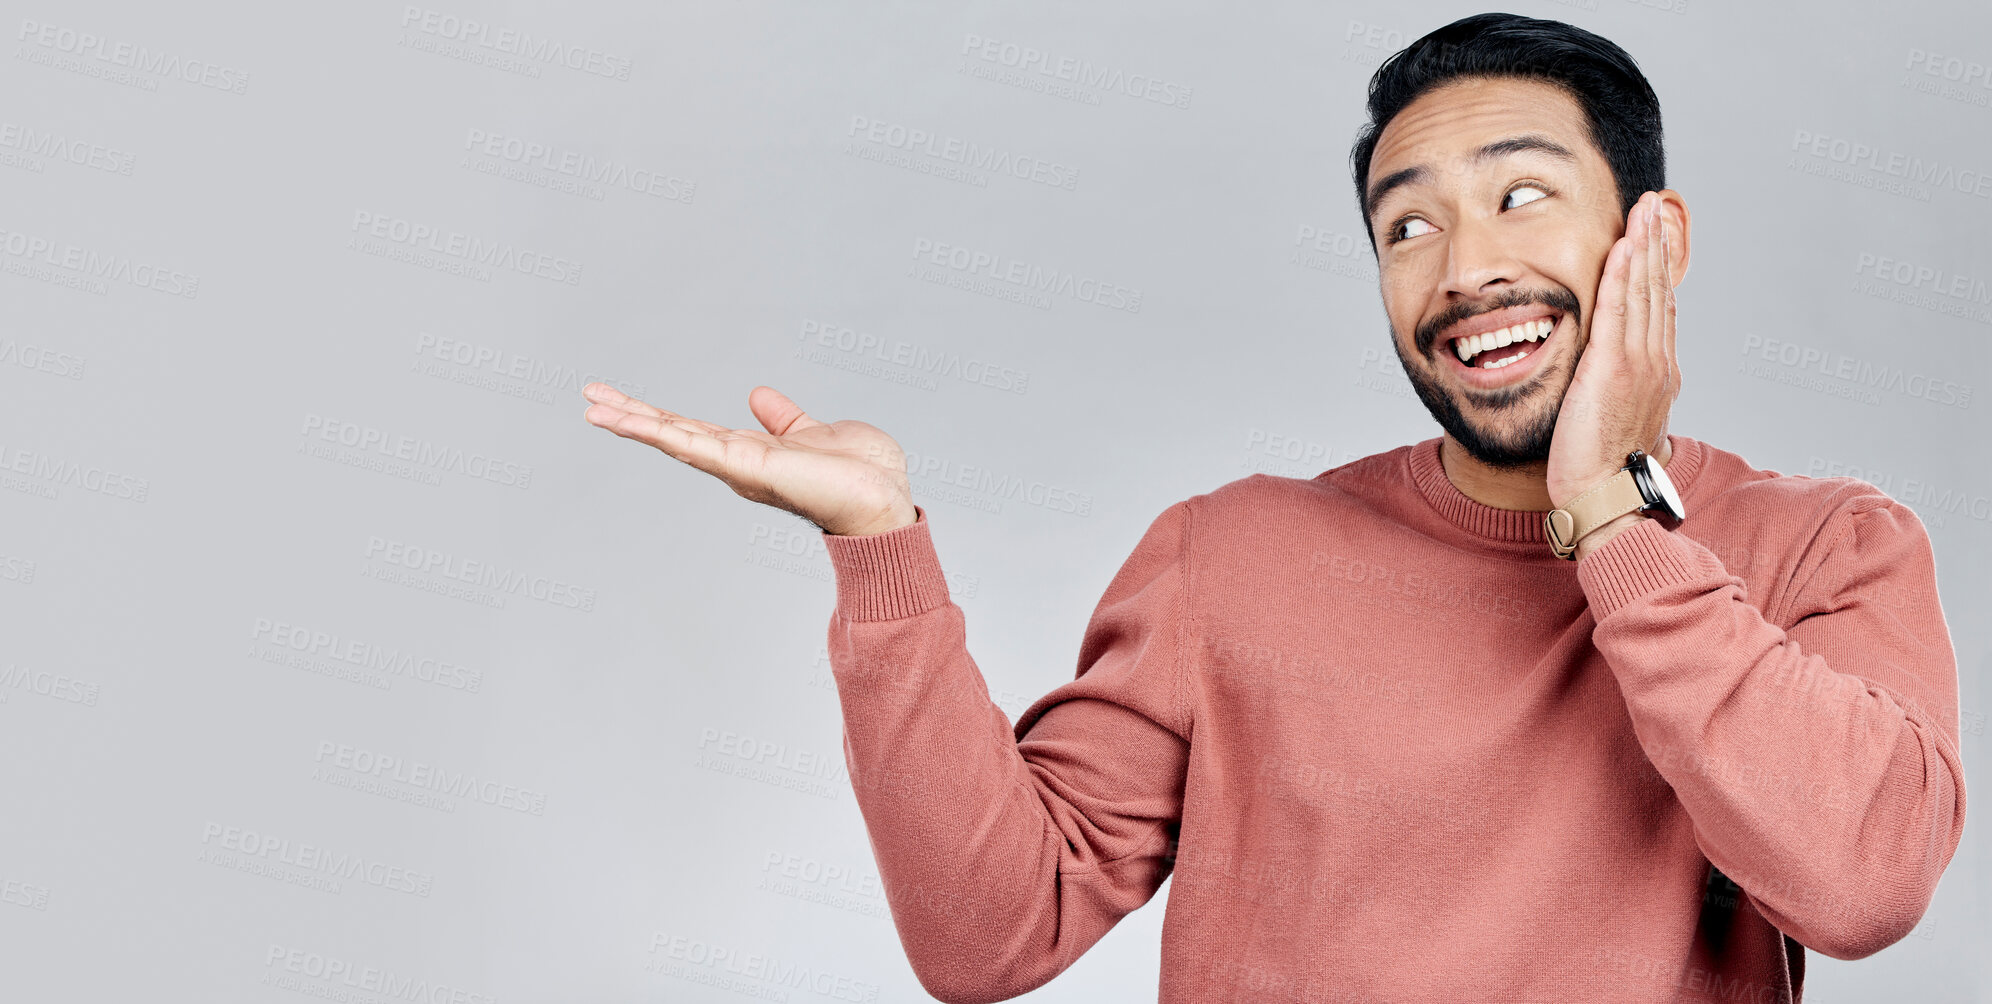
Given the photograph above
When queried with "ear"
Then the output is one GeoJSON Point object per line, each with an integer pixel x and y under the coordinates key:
{"type": "Point", "coordinates": [1674, 219]}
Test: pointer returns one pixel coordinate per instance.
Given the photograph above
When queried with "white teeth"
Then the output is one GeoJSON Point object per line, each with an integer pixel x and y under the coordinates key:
{"type": "Point", "coordinates": [1531, 331]}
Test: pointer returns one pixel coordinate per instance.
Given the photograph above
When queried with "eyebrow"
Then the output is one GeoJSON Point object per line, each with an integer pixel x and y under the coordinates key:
{"type": "Point", "coordinates": [1421, 173]}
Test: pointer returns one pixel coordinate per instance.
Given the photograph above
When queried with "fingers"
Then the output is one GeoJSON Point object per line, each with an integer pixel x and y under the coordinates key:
{"type": "Point", "coordinates": [1608, 324]}
{"type": "Point", "coordinates": [602, 393]}
{"type": "Point", "coordinates": [779, 415]}
{"type": "Point", "coordinates": [1638, 290]}
{"type": "Point", "coordinates": [1654, 336]}
{"type": "Point", "coordinates": [679, 439]}
{"type": "Point", "coordinates": [1664, 331]}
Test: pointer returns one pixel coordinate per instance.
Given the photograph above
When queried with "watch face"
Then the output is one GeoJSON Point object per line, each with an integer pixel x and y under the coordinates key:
{"type": "Point", "coordinates": [1665, 487]}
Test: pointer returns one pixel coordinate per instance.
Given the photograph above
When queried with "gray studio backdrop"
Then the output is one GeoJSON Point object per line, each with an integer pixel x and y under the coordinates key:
{"type": "Point", "coordinates": [341, 656]}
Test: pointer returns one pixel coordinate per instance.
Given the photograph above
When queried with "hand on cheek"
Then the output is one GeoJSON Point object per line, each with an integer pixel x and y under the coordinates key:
{"type": "Point", "coordinates": [1627, 377]}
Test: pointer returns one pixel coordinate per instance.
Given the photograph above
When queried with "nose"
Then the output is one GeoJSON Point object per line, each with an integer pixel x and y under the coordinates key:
{"type": "Point", "coordinates": [1477, 260]}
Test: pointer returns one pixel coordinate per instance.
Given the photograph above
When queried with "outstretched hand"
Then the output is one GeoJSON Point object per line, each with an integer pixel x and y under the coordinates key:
{"type": "Point", "coordinates": [846, 477]}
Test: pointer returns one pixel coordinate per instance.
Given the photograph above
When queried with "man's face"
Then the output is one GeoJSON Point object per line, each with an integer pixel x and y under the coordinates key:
{"type": "Point", "coordinates": [1512, 240]}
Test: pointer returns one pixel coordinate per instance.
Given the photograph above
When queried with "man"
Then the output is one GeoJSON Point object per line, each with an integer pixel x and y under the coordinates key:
{"type": "Point", "coordinates": [1477, 719]}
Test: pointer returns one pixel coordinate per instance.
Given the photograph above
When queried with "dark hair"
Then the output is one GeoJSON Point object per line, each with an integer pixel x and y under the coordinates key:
{"type": "Point", "coordinates": [1618, 103]}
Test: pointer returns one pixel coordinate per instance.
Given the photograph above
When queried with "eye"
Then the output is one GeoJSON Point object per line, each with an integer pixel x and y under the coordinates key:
{"type": "Point", "coordinates": [1543, 193]}
{"type": "Point", "coordinates": [1397, 229]}
{"type": "Point", "coordinates": [1397, 232]}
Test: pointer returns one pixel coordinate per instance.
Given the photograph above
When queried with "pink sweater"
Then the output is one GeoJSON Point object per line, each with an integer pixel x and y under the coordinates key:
{"type": "Point", "coordinates": [1392, 749]}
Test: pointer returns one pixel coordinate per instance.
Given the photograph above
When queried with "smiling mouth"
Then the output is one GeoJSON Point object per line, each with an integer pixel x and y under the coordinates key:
{"type": "Point", "coordinates": [1494, 349]}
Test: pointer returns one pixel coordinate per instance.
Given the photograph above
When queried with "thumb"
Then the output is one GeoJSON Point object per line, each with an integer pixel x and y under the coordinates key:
{"type": "Point", "coordinates": [779, 415]}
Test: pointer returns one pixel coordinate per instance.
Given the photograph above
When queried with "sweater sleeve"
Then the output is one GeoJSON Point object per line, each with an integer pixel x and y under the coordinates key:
{"type": "Point", "coordinates": [1819, 762]}
{"type": "Point", "coordinates": [1006, 852]}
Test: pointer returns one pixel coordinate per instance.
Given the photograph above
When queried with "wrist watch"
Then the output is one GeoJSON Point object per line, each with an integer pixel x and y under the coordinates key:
{"type": "Point", "coordinates": [1641, 484]}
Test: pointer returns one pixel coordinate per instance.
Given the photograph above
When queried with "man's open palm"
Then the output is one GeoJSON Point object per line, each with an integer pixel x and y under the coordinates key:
{"type": "Point", "coordinates": [847, 477]}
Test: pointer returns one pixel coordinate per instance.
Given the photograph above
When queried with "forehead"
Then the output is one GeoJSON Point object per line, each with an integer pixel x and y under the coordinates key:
{"type": "Point", "coordinates": [1443, 126]}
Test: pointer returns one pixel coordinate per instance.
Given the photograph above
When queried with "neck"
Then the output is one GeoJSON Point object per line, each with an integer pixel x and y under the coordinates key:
{"type": "Point", "coordinates": [1525, 488]}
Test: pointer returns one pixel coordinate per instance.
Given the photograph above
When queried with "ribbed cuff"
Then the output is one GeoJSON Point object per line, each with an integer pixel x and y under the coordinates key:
{"type": "Point", "coordinates": [886, 576]}
{"type": "Point", "coordinates": [1638, 560]}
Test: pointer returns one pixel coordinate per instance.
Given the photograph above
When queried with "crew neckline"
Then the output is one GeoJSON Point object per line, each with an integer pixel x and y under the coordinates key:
{"type": "Point", "coordinates": [1521, 526]}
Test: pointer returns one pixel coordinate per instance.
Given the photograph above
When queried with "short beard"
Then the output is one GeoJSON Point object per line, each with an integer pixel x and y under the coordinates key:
{"type": "Point", "coordinates": [1525, 446]}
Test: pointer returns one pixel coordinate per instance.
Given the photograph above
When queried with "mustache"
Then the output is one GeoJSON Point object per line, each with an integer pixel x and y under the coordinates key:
{"type": "Point", "coordinates": [1561, 300]}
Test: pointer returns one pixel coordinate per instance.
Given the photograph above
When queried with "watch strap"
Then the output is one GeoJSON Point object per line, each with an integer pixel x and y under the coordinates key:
{"type": "Point", "coordinates": [1606, 501]}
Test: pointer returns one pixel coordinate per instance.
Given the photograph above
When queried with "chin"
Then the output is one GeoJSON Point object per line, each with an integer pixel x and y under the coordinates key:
{"type": "Point", "coordinates": [1507, 449]}
{"type": "Point", "coordinates": [1515, 432]}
